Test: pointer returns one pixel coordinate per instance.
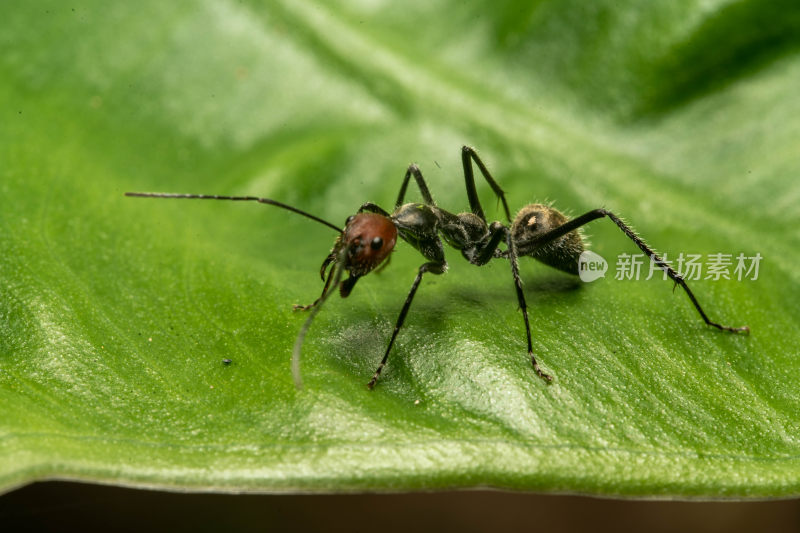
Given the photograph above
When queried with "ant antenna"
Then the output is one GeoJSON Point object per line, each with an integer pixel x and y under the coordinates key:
{"type": "Point", "coordinates": [236, 199]}
{"type": "Point", "coordinates": [298, 344]}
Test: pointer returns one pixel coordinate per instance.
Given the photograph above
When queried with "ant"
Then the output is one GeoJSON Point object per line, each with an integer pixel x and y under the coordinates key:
{"type": "Point", "coordinates": [364, 245]}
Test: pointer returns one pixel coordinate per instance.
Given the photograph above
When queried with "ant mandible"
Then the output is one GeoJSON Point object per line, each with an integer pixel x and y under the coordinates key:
{"type": "Point", "coordinates": [369, 236]}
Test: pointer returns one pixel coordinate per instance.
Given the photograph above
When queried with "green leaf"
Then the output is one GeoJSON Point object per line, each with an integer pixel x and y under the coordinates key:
{"type": "Point", "coordinates": [116, 313]}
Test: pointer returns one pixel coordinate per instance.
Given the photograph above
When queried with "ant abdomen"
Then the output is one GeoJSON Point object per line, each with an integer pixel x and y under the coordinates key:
{"type": "Point", "coordinates": [535, 220]}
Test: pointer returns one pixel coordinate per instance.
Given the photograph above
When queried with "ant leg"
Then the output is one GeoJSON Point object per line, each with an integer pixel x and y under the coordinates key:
{"type": "Point", "coordinates": [413, 170]}
{"type": "Point", "coordinates": [512, 258]}
{"type": "Point", "coordinates": [628, 231]}
{"type": "Point", "coordinates": [432, 267]}
{"type": "Point", "coordinates": [498, 232]}
{"type": "Point", "coordinates": [328, 260]}
{"type": "Point", "coordinates": [373, 208]}
{"type": "Point", "coordinates": [468, 156]}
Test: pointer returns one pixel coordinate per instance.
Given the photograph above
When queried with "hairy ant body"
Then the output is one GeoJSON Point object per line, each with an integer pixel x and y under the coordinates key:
{"type": "Point", "coordinates": [369, 236]}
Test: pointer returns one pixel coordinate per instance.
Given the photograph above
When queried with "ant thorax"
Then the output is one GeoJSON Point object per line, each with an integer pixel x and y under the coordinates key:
{"type": "Point", "coordinates": [419, 226]}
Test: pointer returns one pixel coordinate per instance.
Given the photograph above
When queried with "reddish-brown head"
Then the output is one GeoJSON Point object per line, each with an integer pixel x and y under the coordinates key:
{"type": "Point", "coordinates": [370, 238]}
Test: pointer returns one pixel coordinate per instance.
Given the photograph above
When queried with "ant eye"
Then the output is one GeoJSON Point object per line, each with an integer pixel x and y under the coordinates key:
{"type": "Point", "coordinates": [349, 219]}
{"type": "Point", "coordinates": [376, 243]}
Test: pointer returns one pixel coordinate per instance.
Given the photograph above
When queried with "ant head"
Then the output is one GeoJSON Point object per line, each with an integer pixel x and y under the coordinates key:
{"type": "Point", "coordinates": [369, 238]}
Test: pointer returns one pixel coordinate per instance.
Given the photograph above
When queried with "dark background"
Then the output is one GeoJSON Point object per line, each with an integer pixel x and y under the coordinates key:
{"type": "Point", "coordinates": [62, 506]}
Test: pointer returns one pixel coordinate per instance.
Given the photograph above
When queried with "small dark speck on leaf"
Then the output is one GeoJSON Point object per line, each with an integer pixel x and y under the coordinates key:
{"type": "Point", "coordinates": [226, 362]}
